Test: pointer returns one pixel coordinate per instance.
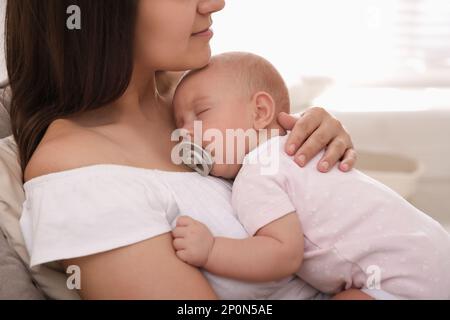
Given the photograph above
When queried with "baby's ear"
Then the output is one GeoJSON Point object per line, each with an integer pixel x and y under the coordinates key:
{"type": "Point", "coordinates": [264, 110]}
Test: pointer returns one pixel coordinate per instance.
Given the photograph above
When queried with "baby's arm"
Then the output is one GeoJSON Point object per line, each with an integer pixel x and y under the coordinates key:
{"type": "Point", "coordinates": [276, 250]}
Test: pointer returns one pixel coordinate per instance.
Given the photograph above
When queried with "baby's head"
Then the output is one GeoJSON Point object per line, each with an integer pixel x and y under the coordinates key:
{"type": "Point", "coordinates": [235, 91]}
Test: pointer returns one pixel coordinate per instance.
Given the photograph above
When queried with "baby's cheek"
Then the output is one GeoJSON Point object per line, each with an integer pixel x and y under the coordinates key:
{"type": "Point", "coordinates": [220, 170]}
{"type": "Point", "coordinates": [227, 171]}
{"type": "Point", "coordinates": [216, 170]}
{"type": "Point", "coordinates": [210, 133]}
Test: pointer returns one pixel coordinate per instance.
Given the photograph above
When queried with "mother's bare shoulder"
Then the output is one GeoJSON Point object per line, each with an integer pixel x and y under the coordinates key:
{"type": "Point", "coordinates": [68, 146]}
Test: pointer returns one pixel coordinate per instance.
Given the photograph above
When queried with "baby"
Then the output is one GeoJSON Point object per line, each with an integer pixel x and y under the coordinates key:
{"type": "Point", "coordinates": [336, 231]}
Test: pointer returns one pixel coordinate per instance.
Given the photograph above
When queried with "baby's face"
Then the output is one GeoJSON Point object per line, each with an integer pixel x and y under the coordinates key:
{"type": "Point", "coordinates": [211, 98]}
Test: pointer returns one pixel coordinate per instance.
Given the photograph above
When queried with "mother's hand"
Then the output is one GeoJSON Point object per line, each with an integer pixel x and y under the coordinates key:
{"type": "Point", "coordinates": [315, 130]}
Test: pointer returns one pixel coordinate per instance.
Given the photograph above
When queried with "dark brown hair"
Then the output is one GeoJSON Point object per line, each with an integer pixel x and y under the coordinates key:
{"type": "Point", "coordinates": [55, 72]}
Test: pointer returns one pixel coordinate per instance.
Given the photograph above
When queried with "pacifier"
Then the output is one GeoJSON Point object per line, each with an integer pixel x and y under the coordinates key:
{"type": "Point", "coordinates": [195, 157]}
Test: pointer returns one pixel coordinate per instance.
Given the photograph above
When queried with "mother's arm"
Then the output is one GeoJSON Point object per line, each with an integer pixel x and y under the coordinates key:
{"type": "Point", "coordinates": [148, 269]}
{"type": "Point", "coordinates": [315, 130]}
{"type": "Point", "coordinates": [145, 270]}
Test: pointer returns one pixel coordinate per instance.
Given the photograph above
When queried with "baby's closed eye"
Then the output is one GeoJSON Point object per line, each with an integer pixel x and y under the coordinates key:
{"type": "Point", "coordinates": [202, 111]}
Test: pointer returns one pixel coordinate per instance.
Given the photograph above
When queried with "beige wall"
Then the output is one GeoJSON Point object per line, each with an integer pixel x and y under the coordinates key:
{"type": "Point", "coordinates": [422, 135]}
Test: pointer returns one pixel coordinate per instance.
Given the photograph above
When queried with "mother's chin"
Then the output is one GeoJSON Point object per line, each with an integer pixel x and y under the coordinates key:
{"type": "Point", "coordinates": [198, 52]}
{"type": "Point", "coordinates": [197, 56]}
{"type": "Point", "coordinates": [190, 60]}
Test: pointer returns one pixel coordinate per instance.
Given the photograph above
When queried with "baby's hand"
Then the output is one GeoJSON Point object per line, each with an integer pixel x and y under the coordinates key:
{"type": "Point", "coordinates": [192, 241]}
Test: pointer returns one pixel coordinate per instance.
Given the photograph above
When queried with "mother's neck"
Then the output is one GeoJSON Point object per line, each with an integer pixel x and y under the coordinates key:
{"type": "Point", "coordinates": [140, 100]}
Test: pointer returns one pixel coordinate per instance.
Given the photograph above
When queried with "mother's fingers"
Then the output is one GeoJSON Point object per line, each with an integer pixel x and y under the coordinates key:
{"type": "Point", "coordinates": [317, 141]}
{"type": "Point", "coordinates": [302, 129]}
{"type": "Point", "coordinates": [349, 160]}
{"type": "Point", "coordinates": [335, 151]}
{"type": "Point", "coordinates": [315, 130]}
{"type": "Point", "coordinates": [286, 120]}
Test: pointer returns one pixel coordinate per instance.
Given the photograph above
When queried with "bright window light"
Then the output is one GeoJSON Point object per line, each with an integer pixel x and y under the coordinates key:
{"type": "Point", "coordinates": [373, 42]}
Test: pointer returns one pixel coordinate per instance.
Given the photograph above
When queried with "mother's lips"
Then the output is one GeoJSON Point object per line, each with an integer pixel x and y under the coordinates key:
{"type": "Point", "coordinates": [203, 32]}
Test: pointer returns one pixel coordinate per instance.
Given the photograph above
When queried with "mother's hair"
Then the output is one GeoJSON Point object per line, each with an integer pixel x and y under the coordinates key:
{"type": "Point", "coordinates": [55, 72]}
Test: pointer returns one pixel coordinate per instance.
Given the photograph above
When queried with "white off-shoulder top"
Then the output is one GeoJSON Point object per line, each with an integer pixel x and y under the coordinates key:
{"type": "Point", "coordinates": [94, 209]}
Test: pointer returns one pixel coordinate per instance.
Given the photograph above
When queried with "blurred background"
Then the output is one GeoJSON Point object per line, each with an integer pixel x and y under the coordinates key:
{"type": "Point", "coordinates": [381, 66]}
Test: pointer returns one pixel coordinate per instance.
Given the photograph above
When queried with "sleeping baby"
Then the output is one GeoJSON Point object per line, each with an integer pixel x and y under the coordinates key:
{"type": "Point", "coordinates": [336, 231]}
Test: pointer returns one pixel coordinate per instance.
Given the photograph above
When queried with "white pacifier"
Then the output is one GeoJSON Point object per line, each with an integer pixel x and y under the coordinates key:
{"type": "Point", "coordinates": [195, 157]}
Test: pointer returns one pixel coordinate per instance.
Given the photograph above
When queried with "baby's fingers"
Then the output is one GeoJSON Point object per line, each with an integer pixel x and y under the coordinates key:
{"type": "Point", "coordinates": [179, 232]}
{"type": "Point", "coordinates": [184, 221]}
{"type": "Point", "coordinates": [182, 255]}
{"type": "Point", "coordinates": [179, 244]}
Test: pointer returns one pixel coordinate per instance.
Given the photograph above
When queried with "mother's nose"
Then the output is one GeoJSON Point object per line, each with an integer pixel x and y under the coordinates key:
{"type": "Point", "coordinates": [210, 6]}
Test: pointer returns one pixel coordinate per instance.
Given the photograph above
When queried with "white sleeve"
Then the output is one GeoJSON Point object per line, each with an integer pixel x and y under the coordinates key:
{"type": "Point", "coordinates": [72, 216]}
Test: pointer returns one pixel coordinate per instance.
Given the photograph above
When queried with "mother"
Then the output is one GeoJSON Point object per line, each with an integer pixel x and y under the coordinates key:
{"type": "Point", "coordinates": [86, 98]}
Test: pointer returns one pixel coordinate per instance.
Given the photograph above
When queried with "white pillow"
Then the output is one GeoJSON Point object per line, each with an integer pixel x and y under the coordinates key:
{"type": "Point", "coordinates": [49, 277]}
